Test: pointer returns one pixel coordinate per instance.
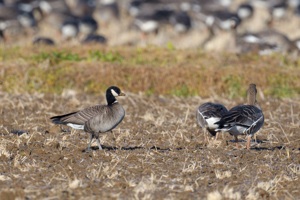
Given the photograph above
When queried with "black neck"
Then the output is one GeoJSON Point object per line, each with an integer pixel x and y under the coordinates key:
{"type": "Point", "coordinates": [110, 98]}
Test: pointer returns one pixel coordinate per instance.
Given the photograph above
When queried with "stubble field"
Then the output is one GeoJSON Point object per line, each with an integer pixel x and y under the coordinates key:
{"type": "Point", "coordinates": [157, 152]}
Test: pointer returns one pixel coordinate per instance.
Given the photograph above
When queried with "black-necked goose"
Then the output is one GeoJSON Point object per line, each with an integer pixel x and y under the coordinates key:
{"type": "Point", "coordinates": [97, 119]}
{"type": "Point", "coordinates": [245, 11]}
{"type": "Point", "coordinates": [87, 25]}
{"type": "Point", "coordinates": [70, 28]}
{"type": "Point", "coordinates": [181, 21]}
{"type": "Point", "coordinates": [243, 119]}
{"type": "Point", "coordinates": [208, 114]}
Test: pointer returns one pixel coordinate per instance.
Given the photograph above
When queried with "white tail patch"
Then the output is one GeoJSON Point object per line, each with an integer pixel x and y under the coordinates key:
{"type": "Point", "coordinates": [114, 93]}
{"type": "Point", "coordinates": [211, 122]}
{"type": "Point", "coordinates": [76, 126]}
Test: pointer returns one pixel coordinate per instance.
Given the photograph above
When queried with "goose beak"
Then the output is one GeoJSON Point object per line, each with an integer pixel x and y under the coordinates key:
{"type": "Point", "coordinates": [122, 94]}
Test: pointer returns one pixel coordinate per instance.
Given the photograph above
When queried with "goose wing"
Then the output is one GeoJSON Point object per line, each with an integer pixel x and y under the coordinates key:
{"type": "Point", "coordinates": [208, 110]}
{"type": "Point", "coordinates": [247, 116]}
{"type": "Point", "coordinates": [79, 117]}
{"type": "Point", "coordinates": [243, 115]}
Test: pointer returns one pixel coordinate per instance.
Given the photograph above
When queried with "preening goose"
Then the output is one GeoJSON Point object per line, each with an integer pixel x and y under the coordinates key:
{"type": "Point", "coordinates": [243, 119]}
{"type": "Point", "coordinates": [96, 119]}
{"type": "Point", "coordinates": [208, 114]}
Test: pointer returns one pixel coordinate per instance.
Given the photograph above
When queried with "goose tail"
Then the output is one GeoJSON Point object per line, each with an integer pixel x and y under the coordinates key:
{"type": "Point", "coordinates": [60, 119]}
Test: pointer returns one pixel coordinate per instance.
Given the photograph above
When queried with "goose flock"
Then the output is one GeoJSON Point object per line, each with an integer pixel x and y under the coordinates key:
{"type": "Point", "coordinates": [240, 120]}
{"type": "Point", "coordinates": [211, 117]}
{"type": "Point", "coordinates": [244, 25]}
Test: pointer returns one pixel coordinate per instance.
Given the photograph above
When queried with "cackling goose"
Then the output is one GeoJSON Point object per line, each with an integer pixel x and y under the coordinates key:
{"type": "Point", "coordinates": [97, 119]}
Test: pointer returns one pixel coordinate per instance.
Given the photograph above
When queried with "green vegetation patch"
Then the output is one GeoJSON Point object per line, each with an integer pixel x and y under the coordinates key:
{"type": "Point", "coordinates": [150, 70]}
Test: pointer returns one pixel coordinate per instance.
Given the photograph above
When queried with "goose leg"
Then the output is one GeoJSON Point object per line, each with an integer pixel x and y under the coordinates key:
{"type": "Point", "coordinates": [217, 134]}
{"type": "Point", "coordinates": [236, 141]}
{"type": "Point", "coordinates": [98, 142]}
{"type": "Point", "coordinates": [91, 138]}
{"type": "Point", "coordinates": [248, 142]}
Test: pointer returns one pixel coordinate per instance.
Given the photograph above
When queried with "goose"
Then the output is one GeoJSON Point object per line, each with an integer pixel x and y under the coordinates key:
{"type": "Point", "coordinates": [97, 119]}
{"type": "Point", "coordinates": [94, 39]}
{"type": "Point", "coordinates": [70, 29]}
{"type": "Point", "coordinates": [265, 42]}
{"type": "Point", "coordinates": [208, 114]}
{"type": "Point", "coordinates": [243, 119]}
{"type": "Point", "coordinates": [108, 11]}
{"type": "Point", "coordinates": [181, 21]}
{"type": "Point", "coordinates": [88, 25]}
{"type": "Point", "coordinates": [43, 41]}
{"type": "Point", "coordinates": [245, 11]}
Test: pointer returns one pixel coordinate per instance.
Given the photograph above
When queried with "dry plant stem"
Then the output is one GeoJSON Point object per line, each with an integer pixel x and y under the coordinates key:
{"type": "Point", "coordinates": [205, 133]}
{"type": "Point", "coordinates": [217, 134]}
{"type": "Point", "coordinates": [39, 166]}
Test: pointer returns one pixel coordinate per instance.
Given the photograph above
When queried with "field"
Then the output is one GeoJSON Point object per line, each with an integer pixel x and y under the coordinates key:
{"type": "Point", "coordinates": [158, 151]}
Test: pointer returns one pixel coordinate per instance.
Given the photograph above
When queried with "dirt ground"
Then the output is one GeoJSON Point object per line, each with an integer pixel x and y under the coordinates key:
{"type": "Point", "coordinates": [157, 152]}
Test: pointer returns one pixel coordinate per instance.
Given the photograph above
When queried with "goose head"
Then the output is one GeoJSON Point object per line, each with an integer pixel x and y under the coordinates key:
{"type": "Point", "coordinates": [111, 93]}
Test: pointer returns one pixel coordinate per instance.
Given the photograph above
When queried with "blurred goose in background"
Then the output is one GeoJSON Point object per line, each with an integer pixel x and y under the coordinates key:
{"type": "Point", "coordinates": [264, 42]}
{"type": "Point", "coordinates": [208, 114]}
{"type": "Point", "coordinates": [43, 41]}
{"type": "Point", "coordinates": [243, 119]}
{"type": "Point", "coordinates": [221, 21]}
{"type": "Point", "coordinates": [55, 13]}
{"type": "Point", "coordinates": [278, 10]}
{"type": "Point", "coordinates": [97, 119]}
{"type": "Point", "coordinates": [94, 39]}
{"type": "Point", "coordinates": [297, 43]}
{"type": "Point", "coordinates": [87, 25]}
{"type": "Point", "coordinates": [70, 29]}
{"type": "Point", "coordinates": [81, 8]}
{"type": "Point", "coordinates": [48, 6]}
{"type": "Point", "coordinates": [181, 21]}
{"type": "Point", "coordinates": [2, 36]}
{"type": "Point", "coordinates": [150, 21]}
{"type": "Point", "coordinates": [245, 11]}
{"type": "Point", "coordinates": [149, 16]}
{"type": "Point", "coordinates": [107, 11]}
{"type": "Point", "coordinates": [15, 19]}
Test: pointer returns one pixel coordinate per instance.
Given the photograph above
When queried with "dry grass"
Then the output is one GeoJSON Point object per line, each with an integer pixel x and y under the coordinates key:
{"type": "Point", "coordinates": [157, 152]}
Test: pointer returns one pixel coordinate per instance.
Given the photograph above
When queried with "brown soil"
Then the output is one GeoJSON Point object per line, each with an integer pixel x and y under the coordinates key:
{"type": "Point", "coordinates": [157, 152]}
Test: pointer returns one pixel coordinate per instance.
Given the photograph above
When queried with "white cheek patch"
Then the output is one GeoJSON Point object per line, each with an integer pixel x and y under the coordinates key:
{"type": "Point", "coordinates": [114, 93]}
